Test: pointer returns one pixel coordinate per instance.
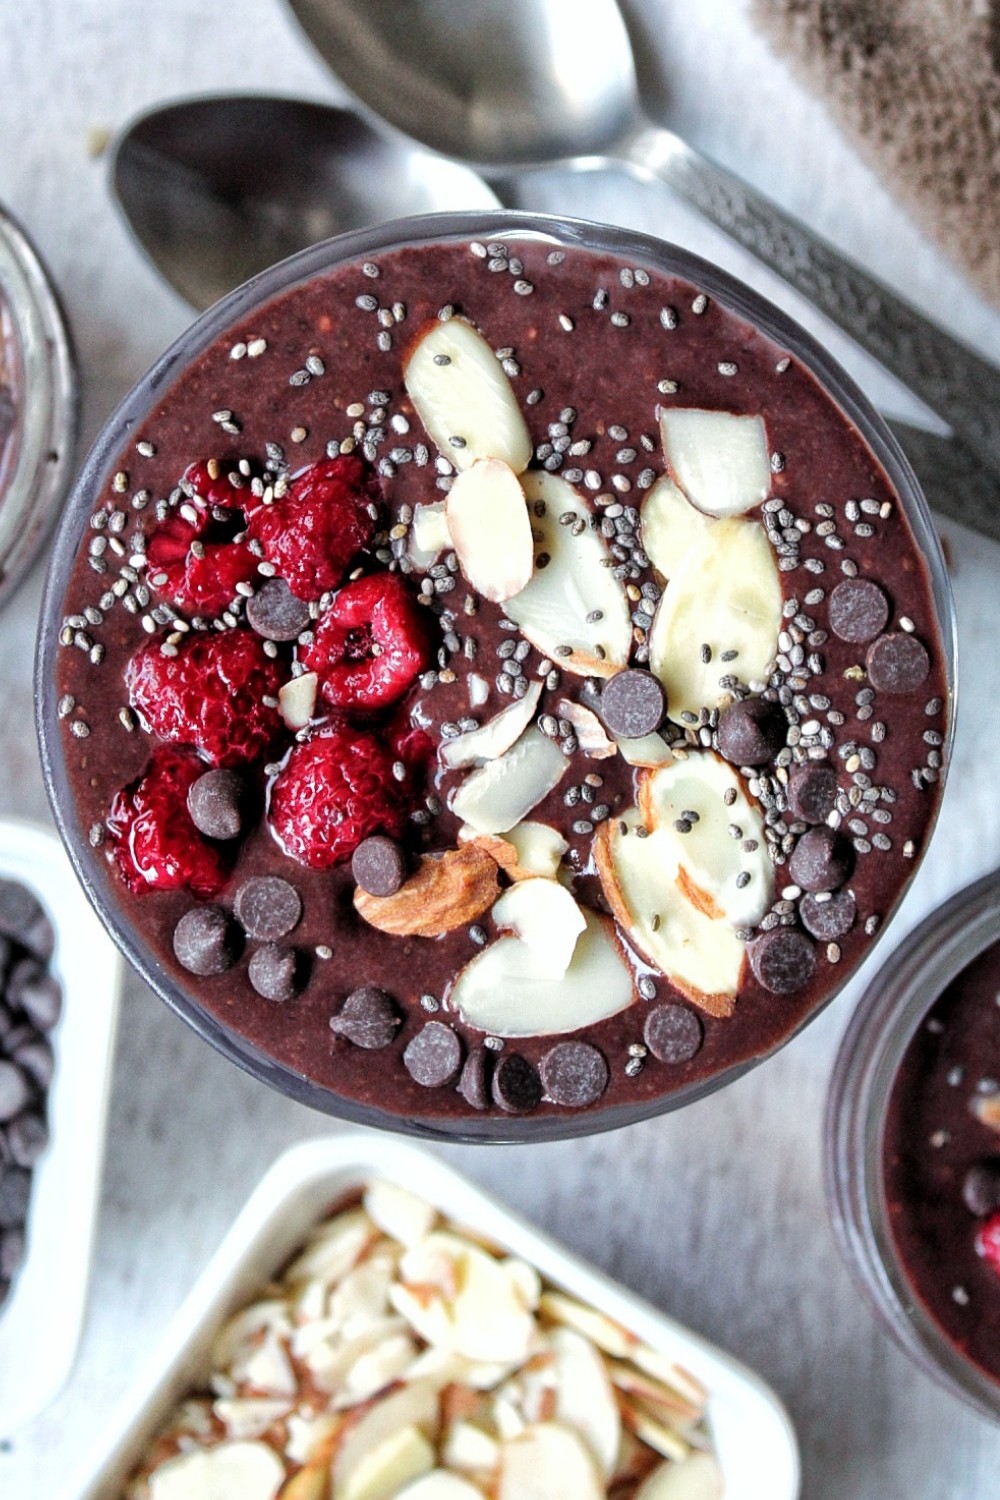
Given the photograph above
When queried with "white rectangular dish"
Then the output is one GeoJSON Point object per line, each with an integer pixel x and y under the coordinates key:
{"type": "Point", "coordinates": [41, 1320]}
{"type": "Point", "coordinates": [753, 1436]}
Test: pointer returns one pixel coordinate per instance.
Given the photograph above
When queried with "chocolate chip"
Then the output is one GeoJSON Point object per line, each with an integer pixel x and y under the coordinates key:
{"type": "Point", "coordinates": [897, 663]}
{"type": "Point", "coordinates": [474, 1084]}
{"type": "Point", "coordinates": [275, 613]}
{"type": "Point", "coordinates": [274, 972]}
{"type": "Point", "coordinates": [752, 731]}
{"type": "Point", "coordinates": [35, 1059]}
{"type": "Point", "coordinates": [633, 703]}
{"type": "Point", "coordinates": [784, 960]}
{"type": "Point", "coordinates": [517, 1087]}
{"type": "Point", "coordinates": [22, 918]}
{"type": "Point", "coordinates": [434, 1056]}
{"type": "Point", "coordinates": [13, 1243]}
{"type": "Point", "coordinates": [828, 920]}
{"type": "Point", "coordinates": [858, 610]}
{"type": "Point", "coordinates": [206, 941]}
{"type": "Point", "coordinates": [27, 1137]}
{"type": "Point", "coordinates": [378, 865]}
{"type": "Point", "coordinates": [981, 1188]}
{"type": "Point", "coordinates": [15, 1193]}
{"type": "Point", "coordinates": [673, 1033]}
{"type": "Point", "coordinates": [39, 998]}
{"type": "Point", "coordinates": [267, 907]}
{"type": "Point", "coordinates": [821, 861]}
{"type": "Point", "coordinates": [14, 1090]}
{"type": "Point", "coordinates": [216, 803]}
{"type": "Point", "coordinates": [812, 792]}
{"type": "Point", "coordinates": [574, 1074]}
{"type": "Point", "coordinates": [368, 1018]}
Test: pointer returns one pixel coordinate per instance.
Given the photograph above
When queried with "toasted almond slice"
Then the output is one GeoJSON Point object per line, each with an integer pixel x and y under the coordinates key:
{"type": "Point", "coordinates": [333, 1249]}
{"type": "Point", "coordinates": [399, 1213]}
{"type": "Point", "coordinates": [648, 750]}
{"type": "Point", "coordinates": [573, 609]}
{"type": "Point", "coordinates": [248, 1416]}
{"type": "Point", "coordinates": [596, 1326]}
{"type": "Point", "coordinates": [657, 1435]}
{"type": "Point", "coordinates": [670, 526]}
{"type": "Point", "coordinates": [548, 1462]}
{"type": "Point", "coordinates": [718, 872]}
{"type": "Point", "coordinates": [585, 1399]}
{"type": "Point", "coordinates": [494, 737]}
{"type": "Point", "coordinates": [590, 732]}
{"type": "Point", "coordinates": [459, 1298]}
{"type": "Point", "coordinates": [544, 915]}
{"type": "Point", "coordinates": [251, 1470]}
{"type": "Point", "coordinates": [719, 460]}
{"type": "Point", "coordinates": [381, 1473]}
{"type": "Point", "coordinates": [725, 595]}
{"type": "Point", "coordinates": [446, 891]}
{"type": "Point", "coordinates": [674, 1408]}
{"type": "Point", "coordinates": [311, 1440]}
{"type": "Point", "coordinates": [526, 850]}
{"type": "Point", "coordinates": [440, 1485]}
{"type": "Point", "coordinates": [490, 530]}
{"type": "Point", "coordinates": [463, 397]}
{"type": "Point", "coordinates": [502, 792]}
{"type": "Point", "coordinates": [467, 1446]}
{"type": "Point", "coordinates": [429, 535]}
{"type": "Point", "coordinates": [502, 991]}
{"type": "Point", "coordinates": [297, 700]}
{"type": "Point", "coordinates": [382, 1435]}
{"type": "Point", "coordinates": [701, 957]}
{"type": "Point", "coordinates": [697, 1478]}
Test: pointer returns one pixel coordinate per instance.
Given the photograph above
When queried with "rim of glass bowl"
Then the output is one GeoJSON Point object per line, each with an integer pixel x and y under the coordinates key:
{"type": "Point", "coordinates": [891, 1010]}
{"type": "Point", "coordinates": [43, 465]}
{"type": "Point", "coordinates": [628, 246]}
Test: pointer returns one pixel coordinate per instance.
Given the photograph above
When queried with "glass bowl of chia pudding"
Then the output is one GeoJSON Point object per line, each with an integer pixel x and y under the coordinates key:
{"type": "Point", "coordinates": [496, 677]}
{"type": "Point", "coordinates": [913, 1145]}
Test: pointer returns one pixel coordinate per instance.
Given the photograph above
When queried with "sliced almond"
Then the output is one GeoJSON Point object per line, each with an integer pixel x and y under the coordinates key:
{"type": "Point", "coordinates": [670, 526]}
{"type": "Point", "coordinates": [719, 460]}
{"type": "Point", "coordinates": [526, 850]}
{"type": "Point", "coordinates": [675, 1407]}
{"type": "Point", "coordinates": [502, 792]}
{"type": "Point", "coordinates": [380, 1473]}
{"type": "Point", "coordinates": [463, 397]}
{"type": "Point", "coordinates": [502, 990]}
{"type": "Point", "coordinates": [467, 1446]}
{"type": "Point", "coordinates": [494, 737]}
{"type": "Point", "coordinates": [446, 891]}
{"type": "Point", "coordinates": [584, 1397]}
{"type": "Point", "coordinates": [311, 1439]}
{"type": "Point", "coordinates": [697, 1478]}
{"type": "Point", "coordinates": [380, 1444]}
{"type": "Point", "coordinates": [573, 609]}
{"type": "Point", "coordinates": [240, 1334]}
{"type": "Point", "coordinates": [429, 535]}
{"type": "Point", "coordinates": [702, 957]}
{"type": "Point", "coordinates": [458, 1297]}
{"type": "Point", "coordinates": [297, 700]}
{"type": "Point", "coordinates": [655, 1434]}
{"type": "Point", "coordinates": [376, 1369]}
{"type": "Point", "coordinates": [548, 1462]}
{"type": "Point", "coordinates": [333, 1249]}
{"type": "Point", "coordinates": [490, 530]}
{"type": "Point", "coordinates": [397, 1212]}
{"type": "Point", "coordinates": [312, 1483]}
{"type": "Point", "coordinates": [590, 732]}
{"type": "Point", "coordinates": [440, 1485]}
{"type": "Point", "coordinates": [648, 750]}
{"type": "Point", "coordinates": [266, 1368]}
{"type": "Point", "coordinates": [718, 871]}
{"type": "Point", "coordinates": [248, 1416]}
{"type": "Point", "coordinates": [589, 1321]}
{"type": "Point", "coordinates": [725, 595]}
{"type": "Point", "coordinates": [251, 1470]}
{"type": "Point", "coordinates": [544, 915]}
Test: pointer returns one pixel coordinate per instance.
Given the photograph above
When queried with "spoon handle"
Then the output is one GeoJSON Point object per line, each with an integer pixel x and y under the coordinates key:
{"type": "Point", "coordinates": [958, 384]}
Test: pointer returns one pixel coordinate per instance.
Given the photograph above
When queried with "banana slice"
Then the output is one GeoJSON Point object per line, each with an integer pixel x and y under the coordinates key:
{"type": "Point", "coordinates": [701, 957]}
{"type": "Point", "coordinates": [491, 739]}
{"type": "Point", "coordinates": [573, 609]}
{"type": "Point", "coordinates": [490, 530]}
{"type": "Point", "coordinates": [696, 1478]}
{"type": "Point", "coordinates": [720, 615]}
{"type": "Point", "coordinates": [718, 870]}
{"type": "Point", "coordinates": [548, 1461]}
{"type": "Point", "coordinates": [505, 990]}
{"type": "Point", "coordinates": [502, 792]}
{"type": "Point", "coordinates": [543, 914]}
{"type": "Point", "coordinates": [251, 1470]}
{"type": "Point", "coordinates": [719, 460]}
{"type": "Point", "coordinates": [464, 399]}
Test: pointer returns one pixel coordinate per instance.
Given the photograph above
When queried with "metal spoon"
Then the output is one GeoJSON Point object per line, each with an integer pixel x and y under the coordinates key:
{"type": "Point", "coordinates": [218, 188]}
{"type": "Point", "coordinates": [537, 82]}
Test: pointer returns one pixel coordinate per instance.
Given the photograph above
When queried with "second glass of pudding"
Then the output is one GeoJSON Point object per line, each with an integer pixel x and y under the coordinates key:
{"type": "Point", "coordinates": [496, 677]}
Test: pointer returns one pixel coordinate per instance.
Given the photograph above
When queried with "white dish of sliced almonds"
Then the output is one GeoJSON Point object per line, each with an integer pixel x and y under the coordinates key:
{"type": "Point", "coordinates": [374, 1327]}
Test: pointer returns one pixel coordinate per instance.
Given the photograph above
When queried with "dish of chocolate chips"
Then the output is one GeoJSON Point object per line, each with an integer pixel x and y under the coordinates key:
{"type": "Point", "coordinates": [498, 685]}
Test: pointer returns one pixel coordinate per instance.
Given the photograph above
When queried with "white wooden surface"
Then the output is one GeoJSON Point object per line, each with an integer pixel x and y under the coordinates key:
{"type": "Point", "coordinates": [717, 1213]}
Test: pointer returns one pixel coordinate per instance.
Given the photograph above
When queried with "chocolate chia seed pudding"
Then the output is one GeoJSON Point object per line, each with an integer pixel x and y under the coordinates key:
{"type": "Point", "coordinates": [497, 680]}
{"type": "Point", "coordinates": [941, 1162]}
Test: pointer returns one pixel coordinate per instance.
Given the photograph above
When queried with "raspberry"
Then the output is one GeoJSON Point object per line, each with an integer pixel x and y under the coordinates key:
{"type": "Point", "coordinates": [370, 644]}
{"type": "Point", "coordinates": [156, 845]}
{"type": "Point", "coordinates": [209, 695]}
{"type": "Point", "coordinates": [988, 1243]}
{"type": "Point", "coordinates": [335, 790]}
{"type": "Point", "coordinates": [199, 579]}
{"type": "Point", "coordinates": [210, 481]}
{"type": "Point", "coordinates": [312, 534]}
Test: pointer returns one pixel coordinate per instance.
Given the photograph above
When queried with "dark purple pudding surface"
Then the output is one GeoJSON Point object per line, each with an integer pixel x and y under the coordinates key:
{"type": "Point", "coordinates": [594, 351]}
{"type": "Point", "coordinates": [941, 1162]}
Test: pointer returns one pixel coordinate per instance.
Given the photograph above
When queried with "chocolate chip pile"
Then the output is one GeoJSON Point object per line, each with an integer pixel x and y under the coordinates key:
{"type": "Point", "coordinates": [30, 1003]}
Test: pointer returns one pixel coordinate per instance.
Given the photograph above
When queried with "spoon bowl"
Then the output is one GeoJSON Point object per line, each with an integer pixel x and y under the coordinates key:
{"type": "Point", "coordinates": [218, 188]}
